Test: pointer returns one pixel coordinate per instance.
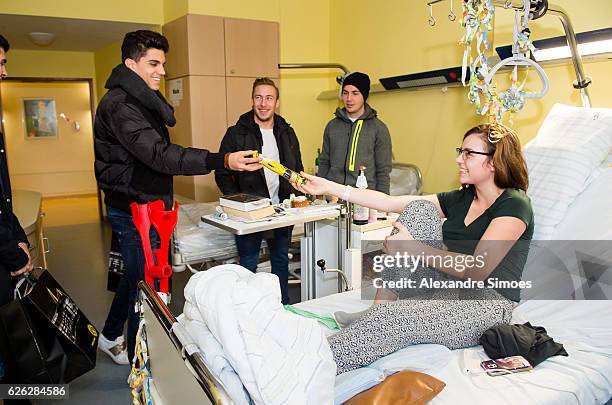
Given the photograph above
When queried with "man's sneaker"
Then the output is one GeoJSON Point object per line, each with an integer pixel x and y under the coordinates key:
{"type": "Point", "coordinates": [114, 348]}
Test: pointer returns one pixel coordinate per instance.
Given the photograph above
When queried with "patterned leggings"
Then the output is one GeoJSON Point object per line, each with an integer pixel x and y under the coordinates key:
{"type": "Point", "coordinates": [453, 318]}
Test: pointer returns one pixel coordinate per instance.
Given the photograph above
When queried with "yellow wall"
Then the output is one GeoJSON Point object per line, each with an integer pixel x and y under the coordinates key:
{"type": "Point", "coordinates": [54, 166]}
{"type": "Point", "coordinates": [30, 63]}
{"type": "Point", "coordinates": [105, 60]}
{"type": "Point", "coordinates": [253, 10]}
{"type": "Point", "coordinates": [304, 36]}
{"type": "Point", "coordinates": [141, 11]}
{"type": "Point", "coordinates": [174, 9]}
{"type": "Point", "coordinates": [427, 125]}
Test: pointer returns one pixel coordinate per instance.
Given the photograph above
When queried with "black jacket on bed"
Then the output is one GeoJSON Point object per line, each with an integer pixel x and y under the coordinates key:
{"type": "Point", "coordinates": [525, 340]}
{"type": "Point", "coordinates": [135, 160]}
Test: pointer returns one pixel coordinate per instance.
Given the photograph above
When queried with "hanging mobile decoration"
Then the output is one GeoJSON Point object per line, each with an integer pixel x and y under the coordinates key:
{"type": "Point", "coordinates": [482, 91]}
{"type": "Point", "coordinates": [477, 19]}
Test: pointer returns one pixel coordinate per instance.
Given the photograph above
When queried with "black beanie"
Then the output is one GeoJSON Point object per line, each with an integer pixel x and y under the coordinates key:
{"type": "Point", "coordinates": [359, 80]}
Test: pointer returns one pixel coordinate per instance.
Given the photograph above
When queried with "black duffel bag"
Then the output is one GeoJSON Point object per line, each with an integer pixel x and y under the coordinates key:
{"type": "Point", "coordinates": [44, 337]}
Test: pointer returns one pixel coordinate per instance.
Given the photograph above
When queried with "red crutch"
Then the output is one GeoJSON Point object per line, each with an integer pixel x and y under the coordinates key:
{"type": "Point", "coordinates": [156, 266]}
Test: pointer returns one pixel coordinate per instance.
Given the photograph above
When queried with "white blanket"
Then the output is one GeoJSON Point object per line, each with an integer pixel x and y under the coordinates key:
{"type": "Point", "coordinates": [281, 358]}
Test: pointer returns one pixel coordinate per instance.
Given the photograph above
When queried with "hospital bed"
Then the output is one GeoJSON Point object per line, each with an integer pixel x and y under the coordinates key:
{"type": "Point", "coordinates": [584, 327]}
{"type": "Point", "coordinates": [199, 246]}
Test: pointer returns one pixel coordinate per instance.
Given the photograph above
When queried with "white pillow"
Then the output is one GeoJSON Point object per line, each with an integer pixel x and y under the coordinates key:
{"type": "Point", "coordinates": [563, 159]}
{"type": "Point", "coordinates": [353, 382]}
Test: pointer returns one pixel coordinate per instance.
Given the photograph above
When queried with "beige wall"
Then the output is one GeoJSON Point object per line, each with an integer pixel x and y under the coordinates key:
{"type": "Point", "coordinates": [56, 166]}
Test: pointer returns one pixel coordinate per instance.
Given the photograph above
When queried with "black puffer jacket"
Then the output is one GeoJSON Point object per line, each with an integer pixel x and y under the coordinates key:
{"type": "Point", "coordinates": [12, 257]}
{"type": "Point", "coordinates": [246, 135]}
{"type": "Point", "coordinates": [135, 160]}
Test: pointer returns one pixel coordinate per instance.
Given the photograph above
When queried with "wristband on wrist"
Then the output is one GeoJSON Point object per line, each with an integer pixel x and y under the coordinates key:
{"type": "Point", "coordinates": [226, 161]}
{"type": "Point", "coordinates": [347, 193]}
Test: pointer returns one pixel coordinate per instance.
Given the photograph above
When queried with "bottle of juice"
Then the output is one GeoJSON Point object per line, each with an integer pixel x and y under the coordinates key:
{"type": "Point", "coordinates": [290, 175]}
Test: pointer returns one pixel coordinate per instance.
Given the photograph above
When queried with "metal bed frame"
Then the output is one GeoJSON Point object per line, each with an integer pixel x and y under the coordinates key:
{"type": "Point", "coordinates": [176, 366]}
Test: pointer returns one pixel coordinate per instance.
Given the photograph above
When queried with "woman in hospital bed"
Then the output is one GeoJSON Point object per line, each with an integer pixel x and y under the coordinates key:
{"type": "Point", "coordinates": [491, 209]}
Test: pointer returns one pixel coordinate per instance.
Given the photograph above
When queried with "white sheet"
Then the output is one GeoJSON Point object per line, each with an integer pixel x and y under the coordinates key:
{"type": "Point", "coordinates": [280, 357]}
{"type": "Point", "coordinates": [585, 377]}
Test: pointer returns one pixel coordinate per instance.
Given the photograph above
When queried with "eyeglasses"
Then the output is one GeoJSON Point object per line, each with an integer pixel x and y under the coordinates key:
{"type": "Point", "coordinates": [468, 153]}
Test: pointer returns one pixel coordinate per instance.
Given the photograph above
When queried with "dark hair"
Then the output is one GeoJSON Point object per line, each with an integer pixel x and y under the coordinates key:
{"type": "Point", "coordinates": [135, 44]}
{"type": "Point", "coordinates": [264, 81]}
{"type": "Point", "coordinates": [4, 44]}
{"type": "Point", "coordinates": [504, 145]}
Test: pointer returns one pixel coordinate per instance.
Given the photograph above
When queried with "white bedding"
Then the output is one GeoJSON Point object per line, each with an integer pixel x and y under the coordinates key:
{"type": "Point", "coordinates": [585, 377]}
{"type": "Point", "coordinates": [280, 358]}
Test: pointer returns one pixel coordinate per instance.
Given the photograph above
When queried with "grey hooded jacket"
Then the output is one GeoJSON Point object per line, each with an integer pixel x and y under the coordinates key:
{"type": "Point", "coordinates": [348, 145]}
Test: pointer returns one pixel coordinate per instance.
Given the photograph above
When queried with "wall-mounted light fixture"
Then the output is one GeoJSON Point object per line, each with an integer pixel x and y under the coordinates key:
{"type": "Point", "coordinates": [590, 43]}
{"type": "Point", "coordinates": [75, 124]}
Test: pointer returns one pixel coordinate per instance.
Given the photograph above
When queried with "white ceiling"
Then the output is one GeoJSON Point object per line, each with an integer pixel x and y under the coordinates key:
{"type": "Point", "coordinates": [71, 34]}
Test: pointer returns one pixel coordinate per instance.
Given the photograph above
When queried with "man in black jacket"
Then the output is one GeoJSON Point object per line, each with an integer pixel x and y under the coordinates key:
{"type": "Point", "coordinates": [262, 129]}
{"type": "Point", "coordinates": [14, 253]}
{"type": "Point", "coordinates": [135, 162]}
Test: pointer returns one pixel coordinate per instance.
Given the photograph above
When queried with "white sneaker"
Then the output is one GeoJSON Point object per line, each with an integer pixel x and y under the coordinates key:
{"type": "Point", "coordinates": [114, 348]}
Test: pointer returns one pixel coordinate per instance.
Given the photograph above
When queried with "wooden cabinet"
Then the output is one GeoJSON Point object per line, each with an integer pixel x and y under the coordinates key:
{"type": "Point", "coordinates": [200, 123]}
{"type": "Point", "coordinates": [196, 46]}
{"type": "Point", "coordinates": [251, 48]}
{"type": "Point", "coordinates": [211, 66]}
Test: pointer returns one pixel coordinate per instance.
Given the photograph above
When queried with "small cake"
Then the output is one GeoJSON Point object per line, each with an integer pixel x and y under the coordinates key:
{"type": "Point", "coordinates": [299, 202]}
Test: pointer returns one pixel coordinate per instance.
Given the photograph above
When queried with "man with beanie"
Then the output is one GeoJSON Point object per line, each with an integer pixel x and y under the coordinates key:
{"type": "Point", "coordinates": [135, 162]}
{"type": "Point", "coordinates": [356, 137]}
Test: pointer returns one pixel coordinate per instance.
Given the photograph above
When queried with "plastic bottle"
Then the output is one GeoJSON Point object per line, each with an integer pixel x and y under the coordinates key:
{"type": "Point", "coordinates": [290, 175]}
{"type": "Point", "coordinates": [360, 213]}
{"type": "Point", "coordinates": [317, 162]}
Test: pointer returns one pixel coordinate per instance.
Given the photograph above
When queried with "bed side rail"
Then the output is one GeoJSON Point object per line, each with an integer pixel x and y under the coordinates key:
{"type": "Point", "coordinates": [185, 349]}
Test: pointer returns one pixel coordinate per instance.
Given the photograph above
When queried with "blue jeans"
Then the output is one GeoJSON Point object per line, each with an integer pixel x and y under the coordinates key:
{"type": "Point", "coordinates": [248, 250]}
{"type": "Point", "coordinates": [124, 301]}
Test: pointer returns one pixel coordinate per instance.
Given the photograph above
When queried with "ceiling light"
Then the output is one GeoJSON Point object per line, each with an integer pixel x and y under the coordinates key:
{"type": "Point", "coordinates": [41, 38]}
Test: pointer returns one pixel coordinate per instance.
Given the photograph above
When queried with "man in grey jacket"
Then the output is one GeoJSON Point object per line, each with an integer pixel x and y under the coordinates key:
{"type": "Point", "coordinates": [356, 137]}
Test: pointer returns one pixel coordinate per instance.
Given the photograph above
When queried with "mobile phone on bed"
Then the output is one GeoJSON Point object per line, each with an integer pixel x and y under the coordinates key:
{"type": "Point", "coordinates": [506, 365]}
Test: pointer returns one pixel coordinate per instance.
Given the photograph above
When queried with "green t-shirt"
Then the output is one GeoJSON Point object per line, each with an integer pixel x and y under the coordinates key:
{"type": "Point", "coordinates": [463, 239]}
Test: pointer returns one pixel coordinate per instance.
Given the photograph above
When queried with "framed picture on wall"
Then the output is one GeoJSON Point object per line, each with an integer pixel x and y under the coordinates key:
{"type": "Point", "coordinates": [40, 118]}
